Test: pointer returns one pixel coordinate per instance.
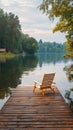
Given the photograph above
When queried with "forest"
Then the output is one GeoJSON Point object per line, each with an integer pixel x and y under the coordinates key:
{"type": "Point", "coordinates": [15, 41]}
{"type": "Point", "coordinates": [53, 47]}
{"type": "Point", "coordinates": [11, 36]}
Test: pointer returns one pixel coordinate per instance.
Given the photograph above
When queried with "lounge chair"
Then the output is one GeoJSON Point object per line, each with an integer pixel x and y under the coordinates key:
{"type": "Point", "coordinates": [47, 83]}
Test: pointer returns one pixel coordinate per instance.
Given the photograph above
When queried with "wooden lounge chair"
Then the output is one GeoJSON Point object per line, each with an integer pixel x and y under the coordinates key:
{"type": "Point", "coordinates": [47, 83]}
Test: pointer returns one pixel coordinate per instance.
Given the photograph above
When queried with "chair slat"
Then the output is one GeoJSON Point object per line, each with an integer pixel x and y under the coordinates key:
{"type": "Point", "coordinates": [46, 82]}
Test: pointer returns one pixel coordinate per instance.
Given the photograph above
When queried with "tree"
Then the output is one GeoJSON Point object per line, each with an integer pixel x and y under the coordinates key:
{"type": "Point", "coordinates": [63, 9]}
{"type": "Point", "coordinates": [29, 44]}
{"type": "Point", "coordinates": [46, 47]}
{"type": "Point", "coordinates": [10, 32]}
{"type": "Point", "coordinates": [2, 21]}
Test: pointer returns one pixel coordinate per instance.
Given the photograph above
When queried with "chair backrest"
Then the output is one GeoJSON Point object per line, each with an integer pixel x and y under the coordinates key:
{"type": "Point", "coordinates": [47, 80]}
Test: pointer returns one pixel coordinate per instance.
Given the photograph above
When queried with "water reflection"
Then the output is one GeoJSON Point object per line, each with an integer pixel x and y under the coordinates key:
{"type": "Point", "coordinates": [11, 71]}
{"type": "Point", "coordinates": [26, 69]}
{"type": "Point", "coordinates": [69, 97]}
{"type": "Point", "coordinates": [69, 72]}
{"type": "Point", "coordinates": [69, 93]}
{"type": "Point", "coordinates": [29, 63]}
{"type": "Point", "coordinates": [50, 58]}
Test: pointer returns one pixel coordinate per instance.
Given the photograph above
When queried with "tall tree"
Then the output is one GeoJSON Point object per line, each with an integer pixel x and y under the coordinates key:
{"type": "Point", "coordinates": [2, 22]}
{"type": "Point", "coordinates": [63, 9]}
{"type": "Point", "coordinates": [10, 32]}
{"type": "Point", "coordinates": [29, 44]}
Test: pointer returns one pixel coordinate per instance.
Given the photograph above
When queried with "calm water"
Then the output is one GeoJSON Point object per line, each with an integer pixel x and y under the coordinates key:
{"type": "Point", "coordinates": [23, 71]}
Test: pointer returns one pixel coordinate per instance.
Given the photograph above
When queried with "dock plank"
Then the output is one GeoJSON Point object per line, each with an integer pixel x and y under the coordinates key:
{"type": "Point", "coordinates": [27, 111]}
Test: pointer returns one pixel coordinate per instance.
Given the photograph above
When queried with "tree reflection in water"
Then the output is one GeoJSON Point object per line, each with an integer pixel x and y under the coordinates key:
{"type": "Point", "coordinates": [69, 93]}
{"type": "Point", "coordinates": [11, 72]}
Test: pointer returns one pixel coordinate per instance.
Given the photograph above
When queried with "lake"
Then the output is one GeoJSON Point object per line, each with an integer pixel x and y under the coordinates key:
{"type": "Point", "coordinates": [23, 70]}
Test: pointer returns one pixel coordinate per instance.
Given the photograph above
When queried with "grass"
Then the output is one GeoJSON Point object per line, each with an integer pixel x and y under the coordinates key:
{"type": "Point", "coordinates": [6, 55]}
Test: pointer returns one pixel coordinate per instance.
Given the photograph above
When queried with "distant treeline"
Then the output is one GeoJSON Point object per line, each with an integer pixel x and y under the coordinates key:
{"type": "Point", "coordinates": [51, 47]}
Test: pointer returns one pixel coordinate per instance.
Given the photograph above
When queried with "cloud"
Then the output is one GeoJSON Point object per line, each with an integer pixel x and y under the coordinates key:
{"type": "Point", "coordinates": [32, 21]}
{"type": "Point", "coordinates": [7, 2]}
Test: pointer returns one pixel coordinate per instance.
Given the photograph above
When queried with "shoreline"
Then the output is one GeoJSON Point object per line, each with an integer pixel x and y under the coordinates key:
{"type": "Point", "coordinates": [6, 55]}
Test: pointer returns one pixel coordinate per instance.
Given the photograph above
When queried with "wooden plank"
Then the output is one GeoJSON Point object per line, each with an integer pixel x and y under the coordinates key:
{"type": "Point", "coordinates": [27, 111]}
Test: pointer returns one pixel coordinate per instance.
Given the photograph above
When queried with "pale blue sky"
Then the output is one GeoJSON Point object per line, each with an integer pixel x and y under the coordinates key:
{"type": "Point", "coordinates": [32, 21]}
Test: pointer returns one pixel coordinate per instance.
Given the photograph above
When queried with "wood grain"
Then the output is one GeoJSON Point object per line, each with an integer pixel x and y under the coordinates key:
{"type": "Point", "coordinates": [27, 111]}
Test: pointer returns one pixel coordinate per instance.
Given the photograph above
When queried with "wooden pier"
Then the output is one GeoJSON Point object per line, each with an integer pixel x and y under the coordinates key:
{"type": "Point", "coordinates": [27, 111]}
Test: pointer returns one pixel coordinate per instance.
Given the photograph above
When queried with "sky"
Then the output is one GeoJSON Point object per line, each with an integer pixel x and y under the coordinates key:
{"type": "Point", "coordinates": [33, 22]}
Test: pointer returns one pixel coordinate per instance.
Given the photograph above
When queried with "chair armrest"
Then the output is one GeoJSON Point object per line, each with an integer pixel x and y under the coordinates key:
{"type": "Point", "coordinates": [36, 82]}
{"type": "Point", "coordinates": [53, 84]}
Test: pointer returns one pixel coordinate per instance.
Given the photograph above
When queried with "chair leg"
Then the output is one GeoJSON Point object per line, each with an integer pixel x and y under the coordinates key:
{"type": "Point", "coordinates": [43, 92]}
{"type": "Point", "coordinates": [52, 89]}
{"type": "Point", "coordinates": [34, 89]}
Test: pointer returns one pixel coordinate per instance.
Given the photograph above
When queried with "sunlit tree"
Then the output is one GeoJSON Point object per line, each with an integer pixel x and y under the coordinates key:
{"type": "Point", "coordinates": [63, 10]}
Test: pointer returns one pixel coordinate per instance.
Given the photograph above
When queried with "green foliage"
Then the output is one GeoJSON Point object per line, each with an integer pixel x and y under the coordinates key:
{"type": "Point", "coordinates": [10, 32]}
{"type": "Point", "coordinates": [51, 47]}
{"type": "Point", "coordinates": [11, 37]}
{"type": "Point", "coordinates": [29, 44]}
{"type": "Point", "coordinates": [6, 55]}
{"type": "Point", "coordinates": [63, 9]}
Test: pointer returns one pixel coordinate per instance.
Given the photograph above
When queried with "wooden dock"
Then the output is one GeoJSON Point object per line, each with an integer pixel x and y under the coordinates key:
{"type": "Point", "coordinates": [27, 111]}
